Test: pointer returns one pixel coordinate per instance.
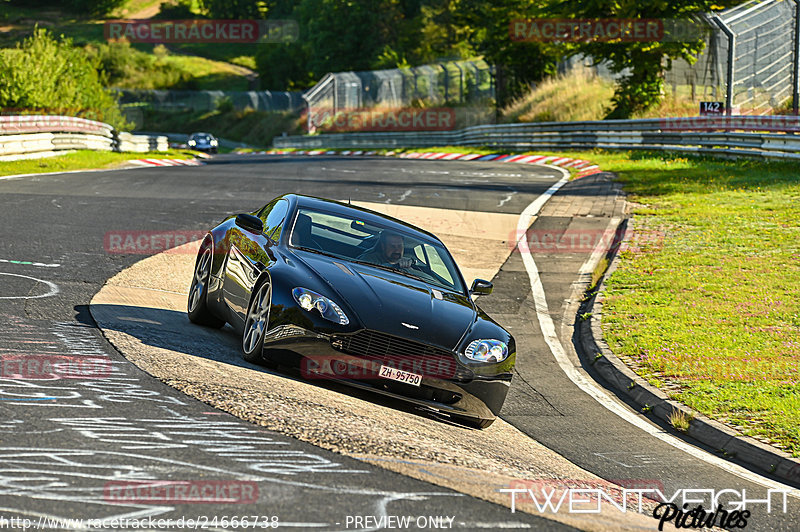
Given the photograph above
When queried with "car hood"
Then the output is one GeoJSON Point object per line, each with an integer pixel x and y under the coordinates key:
{"type": "Point", "coordinates": [395, 304]}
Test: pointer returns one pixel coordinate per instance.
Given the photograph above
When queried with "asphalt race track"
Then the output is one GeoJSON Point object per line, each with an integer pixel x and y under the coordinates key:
{"type": "Point", "coordinates": [67, 443]}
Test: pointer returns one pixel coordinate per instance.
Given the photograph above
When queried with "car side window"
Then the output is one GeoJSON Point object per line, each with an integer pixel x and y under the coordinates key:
{"type": "Point", "coordinates": [273, 219]}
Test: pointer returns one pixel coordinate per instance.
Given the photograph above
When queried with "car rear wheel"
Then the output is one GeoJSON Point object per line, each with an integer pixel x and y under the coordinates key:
{"type": "Point", "coordinates": [256, 323]}
{"type": "Point", "coordinates": [198, 292]}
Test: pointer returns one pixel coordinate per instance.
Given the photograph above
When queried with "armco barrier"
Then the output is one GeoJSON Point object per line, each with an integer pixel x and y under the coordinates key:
{"type": "Point", "coordinates": [28, 136]}
{"type": "Point", "coordinates": [142, 143]}
{"type": "Point", "coordinates": [760, 136]}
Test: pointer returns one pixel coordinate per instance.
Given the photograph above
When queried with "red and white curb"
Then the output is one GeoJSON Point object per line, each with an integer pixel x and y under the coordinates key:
{"type": "Point", "coordinates": [166, 162]}
{"type": "Point", "coordinates": [585, 168]}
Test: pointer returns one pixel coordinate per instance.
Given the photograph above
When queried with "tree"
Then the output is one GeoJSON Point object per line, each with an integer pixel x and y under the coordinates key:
{"type": "Point", "coordinates": [235, 9]}
{"type": "Point", "coordinates": [335, 35]}
{"type": "Point", "coordinates": [517, 64]}
{"type": "Point", "coordinates": [90, 7]}
{"type": "Point", "coordinates": [641, 64]}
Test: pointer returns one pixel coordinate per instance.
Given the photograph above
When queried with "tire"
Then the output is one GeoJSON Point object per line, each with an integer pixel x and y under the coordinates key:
{"type": "Point", "coordinates": [474, 422]}
{"type": "Point", "coordinates": [256, 323]}
{"type": "Point", "coordinates": [198, 310]}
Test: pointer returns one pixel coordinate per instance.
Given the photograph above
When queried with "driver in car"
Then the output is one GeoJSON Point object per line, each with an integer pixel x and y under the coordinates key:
{"type": "Point", "coordinates": [388, 252]}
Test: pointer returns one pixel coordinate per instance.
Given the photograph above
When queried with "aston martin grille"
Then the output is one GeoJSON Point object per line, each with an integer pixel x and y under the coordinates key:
{"type": "Point", "coordinates": [400, 352]}
{"type": "Point", "coordinates": [377, 344]}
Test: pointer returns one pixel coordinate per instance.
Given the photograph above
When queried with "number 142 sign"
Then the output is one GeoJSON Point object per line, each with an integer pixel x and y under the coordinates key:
{"type": "Point", "coordinates": [712, 108]}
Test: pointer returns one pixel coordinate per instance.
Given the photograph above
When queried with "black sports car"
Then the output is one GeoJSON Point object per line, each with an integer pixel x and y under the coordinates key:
{"type": "Point", "coordinates": [349, 294]}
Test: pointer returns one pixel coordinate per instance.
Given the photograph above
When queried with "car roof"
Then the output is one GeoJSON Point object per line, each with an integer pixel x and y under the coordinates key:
{"type": "Point", "coordinates": [338, 207]}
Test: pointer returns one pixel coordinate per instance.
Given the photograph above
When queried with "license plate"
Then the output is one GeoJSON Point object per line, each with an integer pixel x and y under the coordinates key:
{"type": "Point", "coordinates": [388, 372]}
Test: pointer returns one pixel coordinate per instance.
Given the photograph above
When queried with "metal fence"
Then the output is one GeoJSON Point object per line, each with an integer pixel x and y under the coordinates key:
{"type": "Point", "coordinates": [437, 84]}
{"type": "Point", "coordinates": [209, 100]}
{"type": "Point", "coordinates": [752, 136]}
{"type": "Point", "coordinates": [751, 60]}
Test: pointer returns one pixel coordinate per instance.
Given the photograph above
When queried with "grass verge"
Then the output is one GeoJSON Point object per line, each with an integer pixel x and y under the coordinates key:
{"type": "Point", "coordinates": [706, 303]}
{"type": "Point", "coordinates": [83, 160]}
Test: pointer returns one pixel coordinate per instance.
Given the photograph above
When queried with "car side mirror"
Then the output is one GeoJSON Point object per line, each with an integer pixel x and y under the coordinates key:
{"type": "Point", "coordinates": [481, 287]}
{"type": "Point", "coordinates": [251, 223]}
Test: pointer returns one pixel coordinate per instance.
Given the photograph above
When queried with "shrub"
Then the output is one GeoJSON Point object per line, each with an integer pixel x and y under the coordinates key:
{"type": "Point", "coordinates": [48, 75]}
{"type": "Point", "coordinates": [127, 67]}
{"type": "Point", "coordinates": [90, 7]}
{"type": "Point", "coordinates": [177, 10]}
{"type": "Point", "coordinates": [224, 104]}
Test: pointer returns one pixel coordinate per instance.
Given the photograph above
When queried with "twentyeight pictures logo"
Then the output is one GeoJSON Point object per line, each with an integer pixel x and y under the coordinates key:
{"type": "Point", "coordinates": [188, 31]}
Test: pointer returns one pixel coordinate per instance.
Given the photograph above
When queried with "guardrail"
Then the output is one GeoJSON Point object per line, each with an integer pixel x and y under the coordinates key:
{"type": "Point", "coordinates": [759, 136]}
{"type": "Point", "coordinates": [30, 136]}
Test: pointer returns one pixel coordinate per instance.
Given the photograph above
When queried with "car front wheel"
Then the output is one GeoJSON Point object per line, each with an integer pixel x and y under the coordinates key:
{"type": "Point", "coordinates": [256, 323]}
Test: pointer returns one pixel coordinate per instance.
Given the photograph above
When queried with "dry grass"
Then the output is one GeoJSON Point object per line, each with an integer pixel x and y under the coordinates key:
{"type": "Point", "coordinates": [577, 96]}
{"type": "Point", "coordinates": [672, 106]}
{"type": "Point", "coordinates": [598, 273]}
{"type": "Point", "coordinates": [580, 95]}
{"type": "Point", "coordinates": [680, 420]}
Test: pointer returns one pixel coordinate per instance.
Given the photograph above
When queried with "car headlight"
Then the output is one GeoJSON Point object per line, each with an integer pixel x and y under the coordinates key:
{"type": "Point", "coordinates": [213, 142]}
{"type": "Point", "coordinates": [329, 310]}
{"type": "Point", "coordinates": [192, 143]}
{"type": "Point", "coordinates": [486, 351]}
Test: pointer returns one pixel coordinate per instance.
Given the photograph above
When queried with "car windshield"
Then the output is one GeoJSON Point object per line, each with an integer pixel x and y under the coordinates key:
{"type": "Point", "coordinates": [387, 246]}
{"type": "Point", "coordinates": [201, 137]}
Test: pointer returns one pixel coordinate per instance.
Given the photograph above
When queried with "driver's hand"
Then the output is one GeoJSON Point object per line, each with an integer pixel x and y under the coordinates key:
{"type": "Point", "coordinates": [405, 262]}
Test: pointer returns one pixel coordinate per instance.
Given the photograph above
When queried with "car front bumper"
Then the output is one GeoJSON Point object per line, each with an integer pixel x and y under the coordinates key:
{"type": "Point", "coordinates": [460, 392]}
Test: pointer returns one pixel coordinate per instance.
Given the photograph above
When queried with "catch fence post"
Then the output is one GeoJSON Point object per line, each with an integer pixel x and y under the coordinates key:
{"type": "Point", "coordinates": [731, 58]}
{"type": "Point", "coordinates": [796, 74]}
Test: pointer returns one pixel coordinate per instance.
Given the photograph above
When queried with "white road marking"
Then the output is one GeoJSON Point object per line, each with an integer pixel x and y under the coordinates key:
{"type": "Point", "coordinates": [587, 384]}
{"type": "Point", "coordinates": [29, 263]}
{"type": "Point", "coordinates": [506, 199]}
{"type": "Point", "coordinates": [53, 288]}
